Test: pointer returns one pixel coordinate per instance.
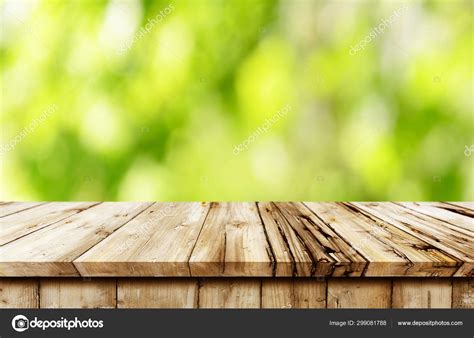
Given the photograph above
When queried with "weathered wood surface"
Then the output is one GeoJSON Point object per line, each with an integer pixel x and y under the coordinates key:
{"type": "Point", "coordinates": [370, 293]}
{"type": "Point", "coordinates": [238, 239]}
{"type": "Point", "coordinates": [51, 250]}
{"type": "Point", "coordinates": [10, 208]}
{"type": "Point", "coordinates": [299, 293]}
{"type": "Point", "coordinates": [158, 242]}
{"type": "Point", "coordinates": [442, 236]}
{"type": "Point", "coordinates": [59, 293]}
{"type": "Point", "coordinates": [424, 293]}
{"type": "Point", "coordinates": [18, 293]}
{"type": "Point", "coordinates": [227, 293]}
{"type": "Point", "coordinates": [232, 243]}
{"type": "Point", "coordinates": [237, 292]}
{"type": "Point", "coordinates": [463, 293]}
{"type": "Point", "coordinates": [20, 224]}
{"type": "Point", "coordinates": [172, 293]}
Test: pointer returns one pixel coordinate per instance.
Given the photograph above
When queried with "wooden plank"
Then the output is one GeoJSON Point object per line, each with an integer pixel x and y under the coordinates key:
{"type": "Point", "coordinates": [452, 208]}
{"type": "Point", "coordinates": [460, 240]}
{"type": "Point", "coordinates": [16, 293]}
{"type": "Point", "coordinates": [439, 236]}
{"type": "Point", "coordinates": [64, 293]}
{"type": "Point", "coordinates": [331, 254]}
{"type": "Point", "coordinates": [156, 243]}
{"type": "Point", "coordinates": [289, 259]}
{"type": "Point", "coordinates": [51, 250]}
{"type": "Point", "coordinates": [466, 205]}
{"type": "Point", "coordinates": [20, 224]}
{"type": "Point", "coordinates": [238, 239]}
{"type": "Point", "coordinates": [220, 293]}
{"type": "Point", "coordinates": [288, 293]}
{"type": "Point", "coordinates": [232, 243]}
{"type": "Point", "coordinates": [14, 207]}
{"type": "Point", "coordinates": [299, 238]}
{"type": "Point", "coordinates": [348, 293]}
{"type": "Point", "coordinates": [236, 293]}
{"type": "Point", "coordinates": [418, 293]}
{"type": "Point", "coordinates": [388, 250]}
{"type": "Point", "coordinates": [464, 222]}
{"type": "Point", "coordinates": [174, 293]}
{"type": "Point", "coordinates": [463, 293]}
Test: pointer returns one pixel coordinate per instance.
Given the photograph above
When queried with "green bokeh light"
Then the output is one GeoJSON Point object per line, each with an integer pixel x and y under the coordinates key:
{"type": "Point", "coordinates": [159, 120]}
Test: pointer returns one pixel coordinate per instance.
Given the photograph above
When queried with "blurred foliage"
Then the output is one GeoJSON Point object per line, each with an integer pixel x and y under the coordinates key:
{"type": "Point", "coordinates": [160, 120]}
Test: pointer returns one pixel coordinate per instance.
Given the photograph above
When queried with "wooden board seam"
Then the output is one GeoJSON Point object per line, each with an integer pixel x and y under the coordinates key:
{"type": "Point", "coordinates": [119, 227]}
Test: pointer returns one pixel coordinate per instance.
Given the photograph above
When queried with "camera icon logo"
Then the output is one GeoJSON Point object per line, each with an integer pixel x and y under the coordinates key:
{"type": "Point", "coordinates": [20, 323]}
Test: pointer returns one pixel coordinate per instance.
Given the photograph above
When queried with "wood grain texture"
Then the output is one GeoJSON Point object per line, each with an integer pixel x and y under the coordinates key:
{"type": "Point", "coordinates": [174, 293]}
{"type": "Point", "coordinates": [10, 208]}
{"type": "Point", "coordinates": [67, 293]}
{"type": "Point", "coordinates": [300, 239]}
{"type": "Point", "coordinates": [439, 236]}
{"type": "Point", "coordinates": [374, 293]}
{"type": "Point", "coordinates": [463, 293]}
{"type": "Point", "coordinates": [232, 243]}
{"type": "Point", "coordinates": [381, 242]}
{"type": "Point", "coordinates": [235, 292]}
{"type": "Point", "coordinates": [422, 293]}
{"type": "Point", "coordinates": [156, 243]}
{"type": "Point", "coordinates": [50, 251]}
{"type": "Point", "coordinates": [288, 293]}
{"type": "Point", "coordinates": [23, 223]}
{"type": "Point", "coordinates": [238, 239]}
{"type": "Point", "coordinates": [19, 293]}
{"type": "Point", "coordinates": [443, 215]}
{"type": "Point", "coordinates": [225, 293]}
{"type": "Point", "coordinates": [465, 205]}
{"type": "Point", "coordinates": [452, 207]}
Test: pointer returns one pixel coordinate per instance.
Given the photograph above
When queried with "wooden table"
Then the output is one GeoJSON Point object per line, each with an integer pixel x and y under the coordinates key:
{"type": "Point", "coordinates": [237, 254]}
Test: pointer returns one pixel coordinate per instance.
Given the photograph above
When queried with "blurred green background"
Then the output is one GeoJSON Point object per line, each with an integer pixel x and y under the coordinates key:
{"type": "Point", "coordinates": [159, 119]}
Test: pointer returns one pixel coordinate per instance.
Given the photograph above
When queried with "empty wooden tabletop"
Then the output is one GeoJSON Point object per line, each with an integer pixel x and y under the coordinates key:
{"type": "Point", "coordinates": [239, 239]}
